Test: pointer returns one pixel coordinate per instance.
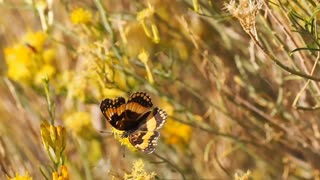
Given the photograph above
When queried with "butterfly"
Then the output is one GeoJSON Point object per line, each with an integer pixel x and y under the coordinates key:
{"type": "Point", "coordinates": [136, 117]}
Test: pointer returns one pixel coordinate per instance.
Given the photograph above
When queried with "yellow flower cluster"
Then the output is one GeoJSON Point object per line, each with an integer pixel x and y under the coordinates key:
{"type": "Point", "coordinates": [63, 175]}
{"type": "Point", "coordinates": [242, 175]}
{"type": "Point", "coordinates": [29, 61]}
{"type": "Point", "coordinates": [19, 177]}
{"type": "Point", "coordinates": [118, 135]}
{"type": "Point", "coordinates": [80, 16]}
{"type": "Point", "coordinates": [54, 141]}
{"type": "Point", "coordinates": [138, 172]}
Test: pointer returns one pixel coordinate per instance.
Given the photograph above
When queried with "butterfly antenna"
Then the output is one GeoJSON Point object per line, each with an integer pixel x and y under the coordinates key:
{"type": "Point", "coordinates": [106, 132]}
{"type": "Point", "coordinates": [144, 131]}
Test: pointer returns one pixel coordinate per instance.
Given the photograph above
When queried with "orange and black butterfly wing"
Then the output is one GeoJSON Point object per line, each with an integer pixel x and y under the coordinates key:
{"type": "Point", "coordinates": [138, 104]}
{"type": "Point", "coordinates": [145, 137]}
{"type": "Point", "coordinates": [114, 111]}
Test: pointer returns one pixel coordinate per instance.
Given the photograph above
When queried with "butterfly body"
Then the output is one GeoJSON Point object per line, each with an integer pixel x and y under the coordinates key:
{"type": "Point", "coordinates": [136, 118]}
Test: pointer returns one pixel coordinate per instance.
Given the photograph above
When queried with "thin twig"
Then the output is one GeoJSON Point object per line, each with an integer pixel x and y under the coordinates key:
{"type": "Point", "coordinates": [13, 93]}
{"type": "Point", "coordinates": [272, 58]}
{"type": "Point", "coordinates": [294, 104]}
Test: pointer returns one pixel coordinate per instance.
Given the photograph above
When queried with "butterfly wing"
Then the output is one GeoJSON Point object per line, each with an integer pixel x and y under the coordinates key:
{"type": "Point", "coordinates": [138, 104]}
{"type": "Point", "coordinates": [145, 138]}
{"type": "Point", "coordinates": [114, 111]}
{"type": "Point", "coordinates": [145, 141]}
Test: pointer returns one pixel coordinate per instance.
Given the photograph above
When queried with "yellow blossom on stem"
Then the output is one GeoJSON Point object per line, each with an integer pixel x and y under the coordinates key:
{"type": "Point", "coordinates": [45, 71]}
{"type": "Point", "coordinates": [144, 57]}
{"type": "Point", "coordinates": [54, 141]}
{"type": "Point", "coordinates": [63, 175]}
{"type": "Point", "coordinates": [138, 172]}
{"type": "Point", "coordinates": [80, 16]}
{"type": "Point", "coordinates": [19, 177]}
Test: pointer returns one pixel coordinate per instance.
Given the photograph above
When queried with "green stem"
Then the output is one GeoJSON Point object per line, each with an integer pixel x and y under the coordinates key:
{"type": "Point", "coordinates": [49, 102]}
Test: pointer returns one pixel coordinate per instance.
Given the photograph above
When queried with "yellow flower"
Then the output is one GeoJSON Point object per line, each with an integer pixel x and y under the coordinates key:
{"type": "Point", "coordinates": [54, 141]}
{"type": "Point", "coordinates": [28, 61]}
{"type": "Point", "coordinates": [80, 16]}
{"type": "Point", "coordinates": [138, 173]}
{"type": "Point", "coordinates": [144, 57]}
{"type": "Point", "coordinates": [80, 123]}
{"type": "Point", "coordinates": [46, 71]}
{"type": "Point", "coordinates": [242, 175]}
{"type": "Point", "coordinates": [18, 61]}
{"type": "Point", "coordinates": [18, 177]}
{"type": "Point", "coordinates": [36, 40]}
{"type": "Point", "coordinates": [118, 135]}
{"type": "Point", "coordinates": [63, 175]}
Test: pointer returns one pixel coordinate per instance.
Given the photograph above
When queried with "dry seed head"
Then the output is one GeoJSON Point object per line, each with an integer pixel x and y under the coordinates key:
{"type": "Point", "coordinates": [245, 11]}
